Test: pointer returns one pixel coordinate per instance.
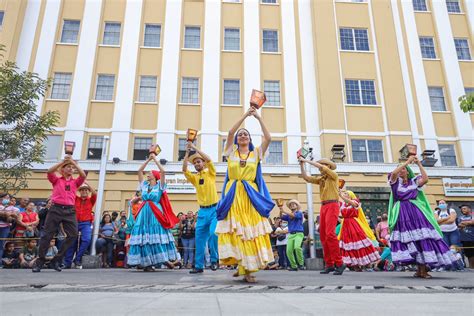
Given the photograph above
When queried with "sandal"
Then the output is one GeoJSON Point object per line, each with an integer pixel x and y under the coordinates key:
{"type": "Point", "coordinates": [250, 279]}
{"type": "Point", "coordinates": [417, 275]}
{"type": "Point", "coordinates": [426, 276]}
{"type": "Point", "coordinates": [236, 274]}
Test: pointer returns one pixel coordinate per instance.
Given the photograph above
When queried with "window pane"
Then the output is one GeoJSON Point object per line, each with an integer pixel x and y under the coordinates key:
{"type": "Point", "coordinates": [61, 86]}
{"type": "Point", "coordinates": [152, 35]}
{"type": "Point", "coordinates": [368, 92]}
{"type": "Point", "coordinates": [270, 41]}
{"type": "Point", "coordinates": [231, 39]}
{"type": "Point", "coordinates": [275, 153]}
{"type": "Point", "coordinates": [375, 150]}
{"type": "Point", "coordinates": [53, 147]}
{"type": "Point", "coordinates": [427, 47]}
{"type": "Point", "coordinates": [112, 33]}
{"type": "Point", "coordinates": [231, 91]}
{"type": "Point", "coordinates": [462, 49]}
{"type": "Point", "coordinates": [269, 1]}
{"type": "Point", "coordinates": [147, 91]}
{"type": "Point", "coordinates": [352, 92]}
{"type": "Point", "coordinates": [469, 90]}
{"type": "Point", "coordinates": [359, 150]}
{"type": "Point", "coordinates": [94, 150]}
{"type": "Point", "coordinates": [419, 5]}
{"type": "Point", "coordinates": [448, 155]}
{"type": "Point", "coordinates": [190, 90]}
{"type": "Point", "coordinates": [361, 39]}
{"type": "Point", "coordinates": [70, 31]}
{"type": "Point", "coordinates": [142, 143]}
{"type": "Point", "coordinates": [436, 99]}
{"type": "Point", "coordinates": [347, 40]}
{"type": "Point", "coordinates": [453, 6]}
{"type": "Point", "coordinates": [2, 14]}
{"type": "Point", "coordinates": [105, 87]}
{"type": "Point", "coordinates": [272, 91]}
{"type": "Point", "coordinates": [192, 37]}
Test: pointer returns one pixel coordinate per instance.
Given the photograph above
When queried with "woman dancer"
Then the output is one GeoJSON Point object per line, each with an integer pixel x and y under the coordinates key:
{"type": "Point", "coordinates": [243, 228]}
{"type": "Point", "coordinates": [151, 241]}
{"type": "Point", "coordinates": [416, 237]}
{"type": "Point", "coordinates": [356, 246]}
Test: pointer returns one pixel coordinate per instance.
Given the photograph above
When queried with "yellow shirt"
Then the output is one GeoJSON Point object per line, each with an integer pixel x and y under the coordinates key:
{"type": "Point", "coordinates": [206, 192]}
{"type": "Point", "coordinates": [328, 184]}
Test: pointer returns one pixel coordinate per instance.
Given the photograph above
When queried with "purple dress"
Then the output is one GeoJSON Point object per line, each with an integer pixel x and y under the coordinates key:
{"type": "Point", "coordinates": [414, 240]}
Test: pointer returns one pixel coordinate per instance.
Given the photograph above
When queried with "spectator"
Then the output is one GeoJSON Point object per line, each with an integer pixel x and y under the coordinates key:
{"type": "Point", "coordinates": [446, 218]}
{"type": "Point", "coordinates": [187, 227]}
{"type": "Point", "coordinates": [23, 204]}
{"type": "Point", "coordinates": [42, 214]}
{"type": "Point", "coordinates": [8, 215]}
{"type": "Point", "coordinates": [385, 261]}
{"type": "Point", "coordinates": [306, 239]}
{"type": "Point", "coordinates": [29, 254]}
{"type": "Point", "coordinates": [281, 232]}
{"type": "Point", "coordinates": [119, 218]}
{"type": "Point", "coordinates": [13, 201]}
{"type": "Point", "coordinates": [466, 229]}
{"type": "Point", "coordinates": [382, 230]}
{"type": "Point", "coordinates": [51, 252]}
{"type": "Point", "coordinates": [27, 222]}
{"type": "Point", "coordinates": [114, 217]}
{"type": "Point", "coordinates": [273, 237]}
{"type": "Point", "coordinates": [121, 232]}
{"type": "Point", "coordinates": [105, 242]}
{"type": "Point", "coordinates": [84, 205]}
{"type": "Point", "coordinates": [10, 257]}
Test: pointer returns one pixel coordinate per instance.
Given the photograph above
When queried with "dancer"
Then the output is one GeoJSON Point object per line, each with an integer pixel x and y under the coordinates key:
{"type": "Point", "coordinates": [329, 191]}
{"type": "Point", "coordinates": [151, 241]}
{"type": "Point", "coordinates": [205, 183]}
{"type": "Point", "coordinates": [61, 212]}
{"type": "Point", "coordinates": [243, 228]}
{"type": "Point", "coordinates": [357, 249]}
{"type": "Point", "coordinates": [294, 217]}
{"type": "Point", "coordinates": [416, 237]}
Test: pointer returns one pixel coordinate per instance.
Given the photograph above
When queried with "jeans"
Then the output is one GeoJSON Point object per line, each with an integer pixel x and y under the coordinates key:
{"type": "Point", "coordinates": [205, 235]}
{"type": "Point", "coordinates": [4, 231]}
{"type": "Point", "coordinates": [282, 258]}
{"type": "Point", "coordinates": [86, 235]}
{"type": "Point", "coordinates": [107, 246]}
{"type": "Point", "coordinates": [188, 245]}
{"type": "Point", "coordinates": [452, 238]}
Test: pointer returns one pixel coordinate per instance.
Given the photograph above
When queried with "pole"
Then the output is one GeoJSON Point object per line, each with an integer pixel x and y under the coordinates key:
{"type": "Point", "coordinates": [309, 198]}
{"type": "Point", "coordinates": [100, 194]}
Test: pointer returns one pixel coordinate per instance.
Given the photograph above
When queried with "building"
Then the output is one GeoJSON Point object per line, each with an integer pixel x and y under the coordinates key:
{"type": "Point", "coordinates": [370, 75]}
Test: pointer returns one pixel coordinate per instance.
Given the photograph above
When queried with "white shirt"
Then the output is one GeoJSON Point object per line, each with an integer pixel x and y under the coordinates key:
{"type": "Point", "coordinates": [284, 241]}
{"type": "Point", "coordinates": [447, 228]}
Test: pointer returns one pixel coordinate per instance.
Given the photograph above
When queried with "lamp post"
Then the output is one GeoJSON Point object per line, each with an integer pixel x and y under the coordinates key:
{"type": "Point", "coordinates": [100, 193]}
{"type": "Point", "coordinates": [309, 198]}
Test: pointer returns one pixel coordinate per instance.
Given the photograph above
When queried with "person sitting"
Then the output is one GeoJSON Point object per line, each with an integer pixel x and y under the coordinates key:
{"type": "Point", "coordinates": [29, 254]}
{"type": "Point", "coordinates": [52, 251]}
{"type": "Point", "coordinates": [105, 242]}
{"type": "Point", "coordinates": [10, 258]}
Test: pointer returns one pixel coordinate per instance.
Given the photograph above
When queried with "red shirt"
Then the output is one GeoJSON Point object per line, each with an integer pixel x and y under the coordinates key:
{"type": "Point", "coordinates": [64, 190]}
{"type": "Point", "coordinates": [84, 208]}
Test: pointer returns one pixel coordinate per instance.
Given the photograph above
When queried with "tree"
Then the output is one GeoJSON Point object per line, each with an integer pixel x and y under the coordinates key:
{"type": "Point", "coordinates": [466, 102]}
{"type": "Point", "coordinates": [22, 130]}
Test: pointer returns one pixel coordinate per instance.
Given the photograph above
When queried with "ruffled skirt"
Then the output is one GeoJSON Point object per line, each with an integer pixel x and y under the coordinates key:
{"type": "Point", "coordinates": [356, 248]}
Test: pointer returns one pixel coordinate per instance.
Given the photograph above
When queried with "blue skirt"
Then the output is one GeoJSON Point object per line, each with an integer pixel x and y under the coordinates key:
{"type": "Point", "coordinates": [150, 243]}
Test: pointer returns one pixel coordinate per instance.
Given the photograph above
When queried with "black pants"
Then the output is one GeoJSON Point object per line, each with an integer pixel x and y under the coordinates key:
{"type": "Point", "coordinates": [57, 215]}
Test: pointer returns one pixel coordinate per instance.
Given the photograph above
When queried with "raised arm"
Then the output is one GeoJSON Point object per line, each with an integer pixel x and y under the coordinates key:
{"type": "Point", "coordinates": [186, 158]}
{"type": "Point", "coordinates": [424, 177]}
{"type": "Point", "coordinates": [162, 170]}
{"type": "Point", "coordinates": [304, 174]}
{"type": "Point", "coordinates": [200, 152]}
{"type": "Point", "coordinates": [57, 166]}
{"type": "Point", "coordinates": [81, 172]}
{"type": "Point", "coordinates": [233, 130]}
{"type": "Point", "coordinates": [142, 168]}
{"type": "Point", "coordinates": [397, 170]}
{"type": "Point", "coordinates": [283, 211]}
{"type": "Point", "coordinates": [348, 201]}
{"type": "Point", "coordinates": [267, 138]}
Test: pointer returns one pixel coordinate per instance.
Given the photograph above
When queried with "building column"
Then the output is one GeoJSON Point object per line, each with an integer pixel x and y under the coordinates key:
{"type": "Point", "coordinates": [28, 32]}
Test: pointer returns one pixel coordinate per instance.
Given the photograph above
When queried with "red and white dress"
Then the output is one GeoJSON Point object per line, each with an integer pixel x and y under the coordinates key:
{"type": "Point", "coordinates": [356, 247]}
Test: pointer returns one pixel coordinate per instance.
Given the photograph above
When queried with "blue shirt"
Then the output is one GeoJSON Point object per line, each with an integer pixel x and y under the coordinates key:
{"type": "Point", "coordinates": [295, 224]}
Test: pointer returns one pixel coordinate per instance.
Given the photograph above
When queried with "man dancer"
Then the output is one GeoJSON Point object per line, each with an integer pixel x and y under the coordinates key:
{"type": "Point", "coordinates": [329, 191]}
{"type": "Point", "coordinates": [84, 215]}
{"type": "Point", "coordinates": [61, 211]}
{"type": "Point", "coordinates": [205, 183]}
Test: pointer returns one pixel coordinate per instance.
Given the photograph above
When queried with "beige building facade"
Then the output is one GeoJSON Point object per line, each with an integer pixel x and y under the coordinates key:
{"type": "Point", "coordinates": [370, 75]}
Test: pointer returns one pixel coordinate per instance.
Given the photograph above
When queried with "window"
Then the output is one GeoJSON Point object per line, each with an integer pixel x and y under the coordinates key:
{"type": "Point", "coordinates": [354, 39]}
{"type": "Point", "coordinates": [437, 99]}
{"type": "Point", "coordinates": [190, 90]}
{"type": "Point", "coordinates": [419, 5]}
{"type": "Point", "coordinates": [53, 147]}
{"type": "Point", "coordinates": [61, 86]}
{"type": "Point", "coordinates": [70, 31]}
{"type": "Point", "coordinates": [272, 91]}
{"type": "Point", "coordinates": [275, 153]}
{"type": "Point", "coordinates": [270, 41]}
{"type": "Point", "coordinates": [2, 14]}
{"type": "Point", "coordinates": [462, 49]}
{"type": "Point", "coordinates": [427, 48]}
{"type": "Point", "coordinates": [105, 87]}
{"type": "Point", "coordinates": [231, 91]}
{"type": "Point", "coordinates": [181, 148]}
{"type": "Point", "coordinates": [147, 91]}
{"type": "Point", "coordinates": [360, 92]}
{"type": "Point", "coordinates": [364, 150]}
{"type": "Point", "coordinates": [453, 6]}
{"type": "Point", "coordinates": [231, 39]}
{"type": "Point", "coordinates": [448, 155]}
{"type": "Point", "coordinates": [112, 33]}
{"type": "Point", "coordinates": [224, 158]}
{"type": "Point", "coordinates": [469, 91]}
{"type": "Point", "coordinates": [152, 35]}
{"type": "Point", "coordinates": [94, 150]}
{"type": "Point", "coordinates": [233, 1]}
{"type": "Point", "coordinates": [192, 37]}
{"type": "Point", "coordinates": [269, 1]}
{"type": "Point", "coordinates": [141, 148]}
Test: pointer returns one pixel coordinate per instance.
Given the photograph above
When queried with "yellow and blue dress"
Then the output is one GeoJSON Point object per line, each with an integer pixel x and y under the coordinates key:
{"type": "Point", "coordinates": [243, 228]}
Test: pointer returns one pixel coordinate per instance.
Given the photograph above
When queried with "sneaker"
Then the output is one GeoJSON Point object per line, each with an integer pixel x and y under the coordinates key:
{"type": "Point", "coordinates": [214, 266]}
{"type": "Point", "coordinates": [292, 269]}
{"type": "Point", "coordinates": [196, 271]}
{"type": "Point", "coordinates": [327, 270]}
{"type": "Point", "coordinates": [78, 266]}
{"type": "Point", "coordinates": [302, 267]}
{"type": "Point", "coordinates": [339, 270]}
{"type": "Point", "coordinates": [37, 267]}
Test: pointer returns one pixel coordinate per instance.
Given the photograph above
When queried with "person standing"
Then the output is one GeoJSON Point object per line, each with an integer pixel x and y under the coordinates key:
{"type": "Point", "coordinates": [27, 222]}
{"type": "Point", "coordinates": [294, 217]}
{"type": "Point", "coordinates": [186, 228]}
{"type": "Point", "coordinates": [446, 218]}
{"type": "Point", "coordinates": [8, 214]}
{"type": "Point", "coordinates": [281, 233]}
{"type": "Point", "coordinates": [328, 183]}
{"type": "Point", "coordinates": [61, 211]}
{"type": "Point", "coordinates": [242, 213]}
{"type": "Point", "coordinates": [416, 237]}
{"type": "Point", "coordinates": [204, 180]}
{"type": "Point", "coordinates": [381, 230]}
{"type": "Point", "coordinates": [466, 228]}
{"type": "Point", "coordinates": [85, 217]}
